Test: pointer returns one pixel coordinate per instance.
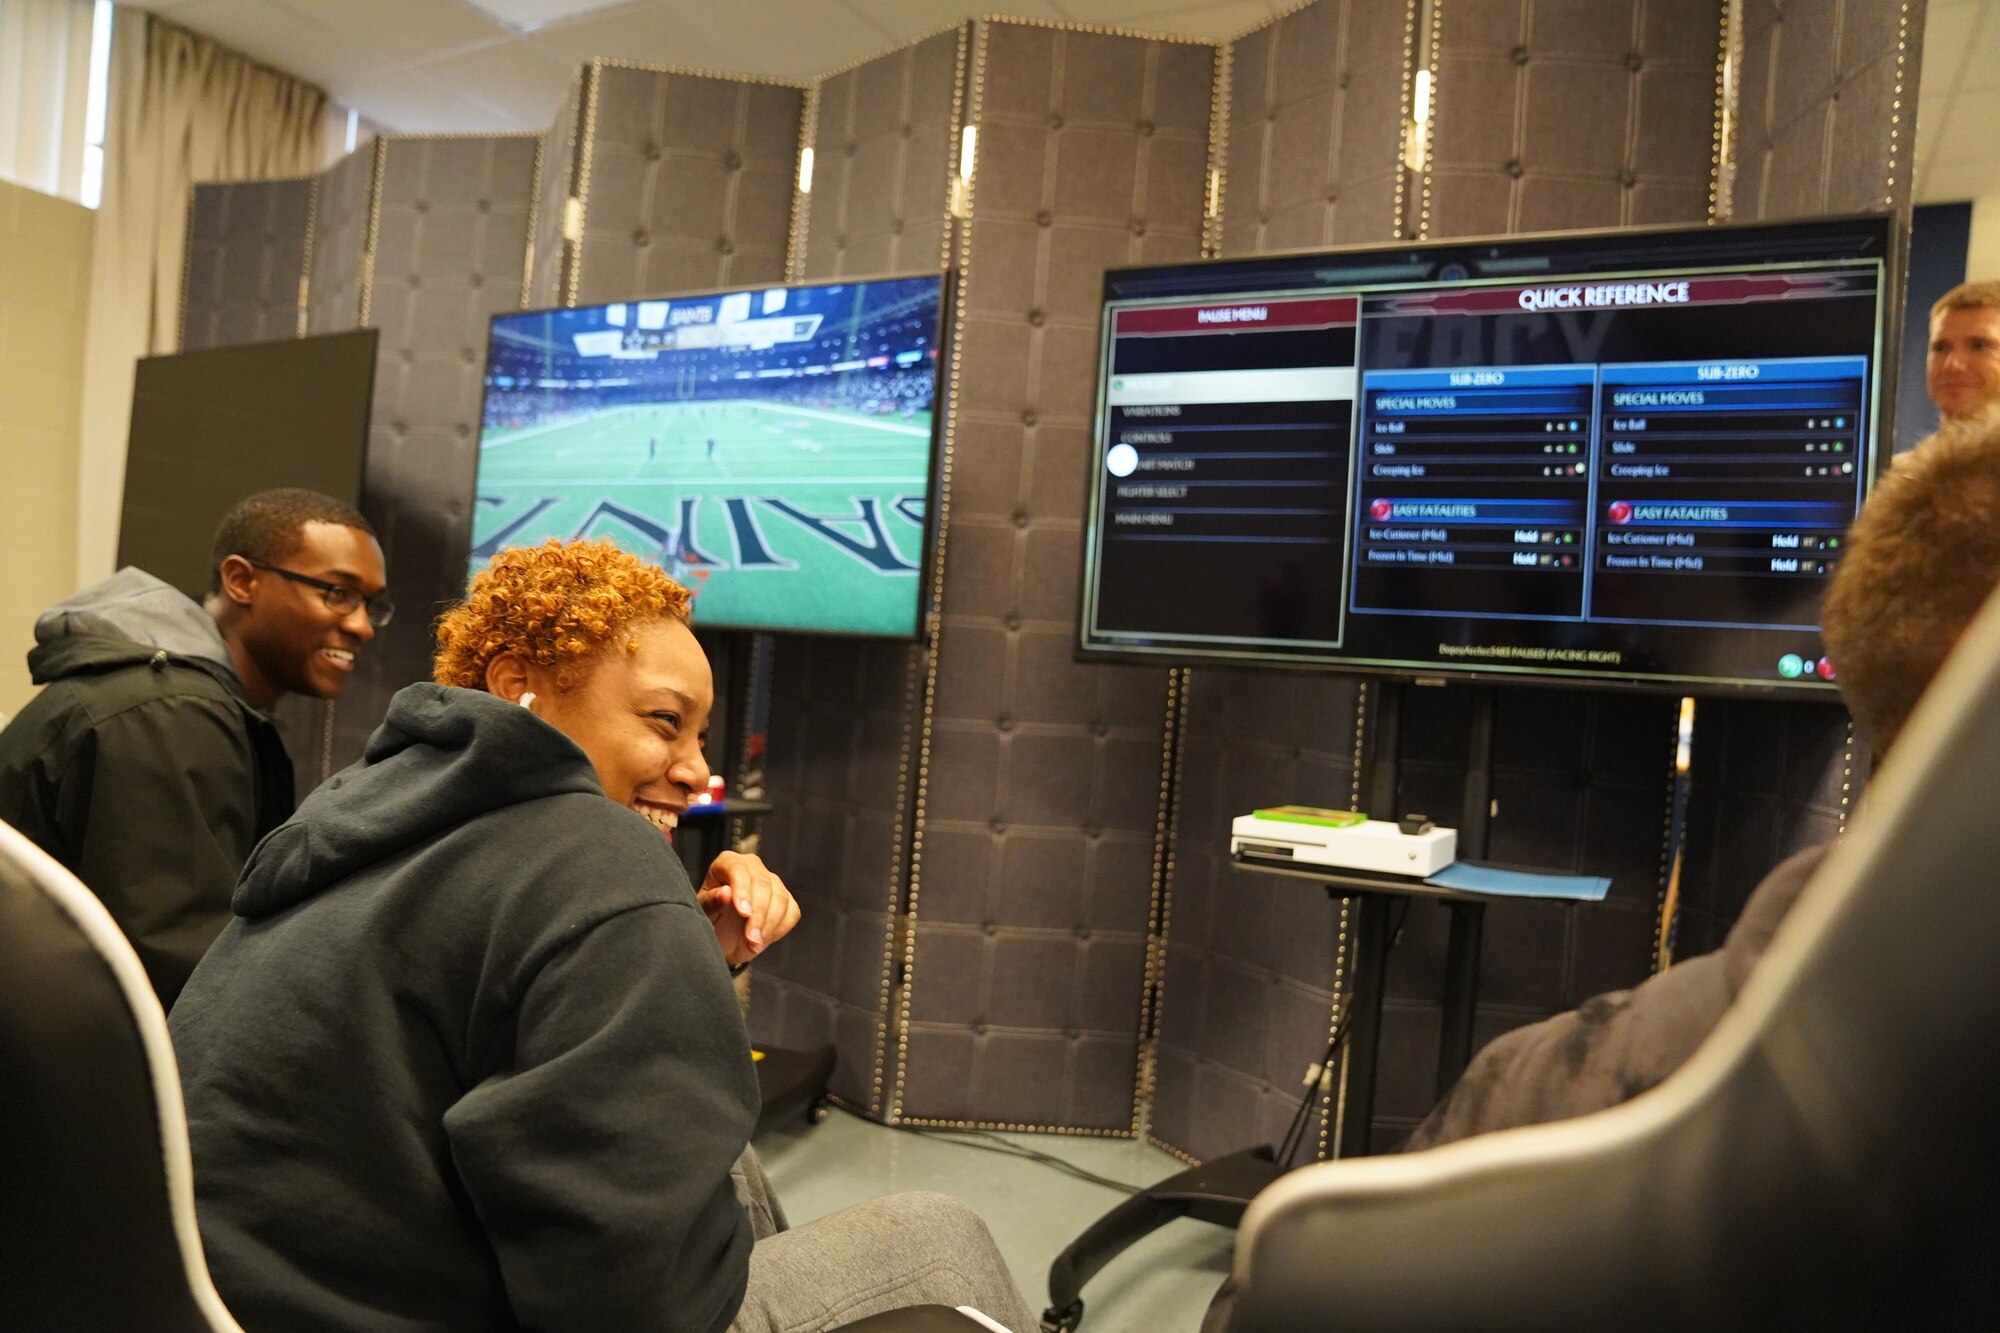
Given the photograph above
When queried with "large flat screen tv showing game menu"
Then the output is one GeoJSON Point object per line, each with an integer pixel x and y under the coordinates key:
{"type": "Point", "coordinates": [770, 447]}
{"type": "Point", "coordinates": [1623, 457]}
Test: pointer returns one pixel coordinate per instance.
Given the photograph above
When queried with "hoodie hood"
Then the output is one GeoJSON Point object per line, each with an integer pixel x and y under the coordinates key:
{"type": "Point", "coordinates": [127, 617]}
{"type": "Point", "coordinates": [444, 756]}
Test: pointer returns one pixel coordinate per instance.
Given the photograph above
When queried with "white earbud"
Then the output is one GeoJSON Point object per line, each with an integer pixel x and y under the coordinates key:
{"type": "Point", "coordinates": [528, 700]}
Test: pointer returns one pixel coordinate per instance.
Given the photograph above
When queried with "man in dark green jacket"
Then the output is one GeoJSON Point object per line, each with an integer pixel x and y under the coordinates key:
{"type": "Point", "coordinates": [147, 764]}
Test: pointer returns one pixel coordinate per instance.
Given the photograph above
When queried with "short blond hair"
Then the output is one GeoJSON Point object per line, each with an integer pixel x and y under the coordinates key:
{"type": "Point", "coordinates": [558, 605]}
{"type": "Point", "coordinates": [1968, 296]}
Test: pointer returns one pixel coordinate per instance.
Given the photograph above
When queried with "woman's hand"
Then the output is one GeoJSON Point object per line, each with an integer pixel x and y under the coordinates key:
{"type": "Point", "coordinates": [747, 904]}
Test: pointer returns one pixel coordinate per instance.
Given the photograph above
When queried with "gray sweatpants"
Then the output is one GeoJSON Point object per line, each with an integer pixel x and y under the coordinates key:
{"type": "Point", "coordinates": [899, 1250]}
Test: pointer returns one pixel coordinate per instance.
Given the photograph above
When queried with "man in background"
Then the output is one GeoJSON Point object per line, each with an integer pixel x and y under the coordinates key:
{"type": "Point", "coordinates": [147, 764]}
{"type": "Point", "coordinates": [1962, 370]}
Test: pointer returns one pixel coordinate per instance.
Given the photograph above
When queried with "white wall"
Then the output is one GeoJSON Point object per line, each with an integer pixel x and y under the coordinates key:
{"type": "Point", "coordinates": [44, 294]}
{"type": "Point", "coordinates": [1982, 250]}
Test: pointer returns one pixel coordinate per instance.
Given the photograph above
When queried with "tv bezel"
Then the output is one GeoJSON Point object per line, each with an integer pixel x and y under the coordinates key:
{"type": "Point", "coordinates": [941, 400]}
{"type": "Point", "coordinates": [1893, 231]}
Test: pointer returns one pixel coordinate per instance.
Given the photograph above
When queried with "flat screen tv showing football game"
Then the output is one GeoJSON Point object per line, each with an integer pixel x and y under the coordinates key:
{"type": "Point", "coordinates": [770, 447]}
{"type": "Point", "coordinates": [1618, 457]}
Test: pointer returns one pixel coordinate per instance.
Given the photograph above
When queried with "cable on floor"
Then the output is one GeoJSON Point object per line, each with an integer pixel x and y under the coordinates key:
{"type": "Point", "coordinates": [984, 1141]}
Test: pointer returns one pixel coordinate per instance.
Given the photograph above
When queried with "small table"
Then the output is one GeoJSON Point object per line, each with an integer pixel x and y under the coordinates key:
{"type": "Point", "coordinates": [1220, 1189]}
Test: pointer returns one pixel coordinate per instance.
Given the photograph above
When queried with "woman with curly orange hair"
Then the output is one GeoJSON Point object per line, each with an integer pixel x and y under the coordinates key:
{"type": "Point", "coordinates": [596, 642]}
{"type": "Point", "coordinates": [468, 1056]}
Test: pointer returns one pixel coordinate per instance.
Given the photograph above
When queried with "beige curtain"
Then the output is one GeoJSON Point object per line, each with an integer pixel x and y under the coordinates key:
{"type": "Point", "coordinates": [182, 110]}
{"type": "Point", "coordinates": [44, 87]}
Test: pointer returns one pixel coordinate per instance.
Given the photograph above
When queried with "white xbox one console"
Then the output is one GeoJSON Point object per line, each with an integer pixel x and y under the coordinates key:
{"type": "Point", "coordinates": [1342, 840]}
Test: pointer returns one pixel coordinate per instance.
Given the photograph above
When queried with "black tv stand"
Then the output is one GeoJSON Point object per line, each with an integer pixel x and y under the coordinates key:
{"type": "Point", "coordinates": [1220, 1190]}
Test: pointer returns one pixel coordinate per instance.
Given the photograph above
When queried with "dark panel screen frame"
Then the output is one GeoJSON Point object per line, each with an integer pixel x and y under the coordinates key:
{"type": "Point", "coordinates": [213, 426]}
{"type": "Point", "coordinates": [1600, 256]}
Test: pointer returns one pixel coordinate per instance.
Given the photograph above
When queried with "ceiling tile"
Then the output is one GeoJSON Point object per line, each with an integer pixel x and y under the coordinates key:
{"type": "Point", "coordinates": [512, 77]}
{"type": "Point", "coordinates": [1950, 179]}
{"type": "Point", "coordinates": [1947, 35]}
{"type": "Point", "coordinates": [1212, 21]}
{"type": "Point", "coordinates": [1982, 50]}
{"type": "Point", "coordinates": [1185, 19]}
{"type": "Point", "coordinates": [271, 34]}
{"type": "Point", "coordinates": [404, 30]}
{"type": "Point", "coordinates": [409, 102]}
{"type": "Point", "coordinates": [1966, 130]}
{"type": "Point", "coordinates": [656, 34]}
{"type": "Point", "coordinates": [905, 19]}
{"type": "Point", "coordinates": [817, 36]}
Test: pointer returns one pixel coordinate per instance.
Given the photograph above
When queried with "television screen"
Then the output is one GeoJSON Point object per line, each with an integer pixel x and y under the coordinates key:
{"type": "Point", "coordinates": [769, 447]}
{"type": "Point", "coordinates": [1625, 457]}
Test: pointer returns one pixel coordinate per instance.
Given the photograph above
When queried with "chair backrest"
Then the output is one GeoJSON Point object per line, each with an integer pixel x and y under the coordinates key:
{"type": "Point", "coordinates": [97, 1227]}
{"type": "Point", "coordinates": [1826, 1160]}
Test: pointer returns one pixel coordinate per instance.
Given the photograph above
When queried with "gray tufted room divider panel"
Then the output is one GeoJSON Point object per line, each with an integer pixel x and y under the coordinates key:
{"type": "Point", "coordinates": [1552, 114]}
{"type": "Point", "coordinates": [1314, 157]}
{"type": "Point", "coordinates": [685, 181]}
{"type": "Point", "coordinates": [1316, 107]}
{"type": "Point", "coordinates": [1556, 114]}
{"type": "Point", "coordinates": [1825, 106]}
{"type": "Point", "coordinates": [1038, 814]}
{"type": "Point", "coordinates": [243, 238]}
{"type": "Point", "coordinates": [1770, 779]}
{"type": "Point", "coordinates": [245, 270]}
{"type": "Point", "coordinates": [1252, 961]}
{"type": "Point", "coordinates": [244, 277]}
{"type": "Point", "coordinates": [844, 713]}
{"type": "Point", "coordinates": [883, 136]}
{"type": "Point", "coordinates": [555, 181]}
{"type": "Point", "coordinates": [1823, 114]}
{"type": "Point", "coordinates": [1581, 779]}
{"type": "Point", "coordinates": [343, 203]}
{"type": "Point", "coordinates": [450, 225]}
{"type": "Point", "coordinates": [1024, 827]}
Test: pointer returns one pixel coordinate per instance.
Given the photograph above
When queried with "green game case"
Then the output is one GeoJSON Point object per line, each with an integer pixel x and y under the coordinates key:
{"type": "Point", "coordinates": [1312, 814]}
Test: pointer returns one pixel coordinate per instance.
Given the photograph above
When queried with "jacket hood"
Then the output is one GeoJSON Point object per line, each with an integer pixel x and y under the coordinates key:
{"type": "Point", "coordinates": [443, 756]}
{"type": "Point", "coordinates": [127, 617]}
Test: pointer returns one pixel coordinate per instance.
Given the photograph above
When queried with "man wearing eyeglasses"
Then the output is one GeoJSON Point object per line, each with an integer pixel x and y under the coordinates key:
{"type": "Point", "coordinates": [147, 764]}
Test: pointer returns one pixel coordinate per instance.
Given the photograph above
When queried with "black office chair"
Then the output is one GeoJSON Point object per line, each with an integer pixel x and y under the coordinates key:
{"type": "Point", "coordinates": [97, 1225]}
{"type": "Point", "coordinates": [1827, 1160]}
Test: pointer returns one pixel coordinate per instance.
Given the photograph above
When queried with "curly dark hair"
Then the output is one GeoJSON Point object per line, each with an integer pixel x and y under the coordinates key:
{"type": "Point", "coordinates": [269, 526]}
{"type": "Point", "coordinates": [1919, 562]}
{"type": "Point", "coordinates": [557, 605]}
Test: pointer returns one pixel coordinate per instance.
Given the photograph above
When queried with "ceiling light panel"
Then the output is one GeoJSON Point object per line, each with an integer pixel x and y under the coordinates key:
{"type": "Point", "coordinates": [527, 15]}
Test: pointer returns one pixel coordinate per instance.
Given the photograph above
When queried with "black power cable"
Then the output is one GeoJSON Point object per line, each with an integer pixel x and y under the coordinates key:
{"type": "Point", "coordinates": [985, 1141]}
{"type": "Point", "coordinates": [1295, 1133]}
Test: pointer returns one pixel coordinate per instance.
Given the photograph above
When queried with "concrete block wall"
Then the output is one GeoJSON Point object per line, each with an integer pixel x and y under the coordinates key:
{"type": "Point", "coordinates": [45, 246]}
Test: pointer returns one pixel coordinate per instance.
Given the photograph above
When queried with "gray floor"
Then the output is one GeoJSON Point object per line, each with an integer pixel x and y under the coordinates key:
{"type": "Point", "coordinates": [1160, 1285]}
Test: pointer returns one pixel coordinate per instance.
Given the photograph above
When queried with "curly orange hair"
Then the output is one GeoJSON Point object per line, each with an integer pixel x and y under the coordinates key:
{"type": "Point", "coordinates": [557, 605]}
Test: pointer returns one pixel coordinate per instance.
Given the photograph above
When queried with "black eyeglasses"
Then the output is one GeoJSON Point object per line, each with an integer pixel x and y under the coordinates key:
{"type": "Point", "coordinates": [340, 599]}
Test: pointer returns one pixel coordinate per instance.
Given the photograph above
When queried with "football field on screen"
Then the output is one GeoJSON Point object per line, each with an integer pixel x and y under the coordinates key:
{"type": "Point", "coordinates": [716, 493]}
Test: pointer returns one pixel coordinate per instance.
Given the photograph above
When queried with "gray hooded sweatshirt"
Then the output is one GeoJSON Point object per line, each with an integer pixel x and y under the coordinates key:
{"type": "Point", "coordinates": [141, 767]}
{"type": "Point", "coordinates": [468, 1057]}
